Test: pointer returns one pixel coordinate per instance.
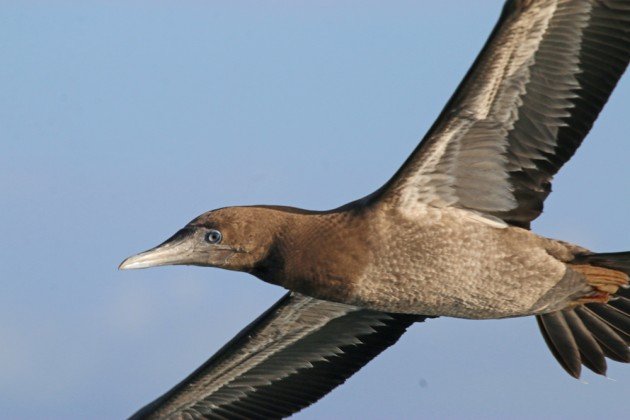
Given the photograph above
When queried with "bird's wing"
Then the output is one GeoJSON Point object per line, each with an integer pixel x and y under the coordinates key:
{"type": "Point", "coordinates": [520, 113]}
{"type": "Point", "coordinates": [287, 359]}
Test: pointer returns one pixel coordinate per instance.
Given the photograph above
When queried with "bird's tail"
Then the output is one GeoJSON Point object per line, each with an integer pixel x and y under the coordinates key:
{"type": "Point", "coordinates": [598, 327]}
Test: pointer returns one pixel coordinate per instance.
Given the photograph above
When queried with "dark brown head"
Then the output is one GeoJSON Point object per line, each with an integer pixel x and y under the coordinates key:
{"type": "Point", "coordinates": [234, 238]}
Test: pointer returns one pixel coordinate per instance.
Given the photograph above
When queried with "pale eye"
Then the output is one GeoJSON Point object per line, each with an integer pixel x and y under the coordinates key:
{"type": "Point", "coordinates": [213, 236]}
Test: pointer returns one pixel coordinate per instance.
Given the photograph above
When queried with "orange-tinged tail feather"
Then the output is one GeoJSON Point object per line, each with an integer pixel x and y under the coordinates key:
{"type": "Point", "coordinates": [598, 327]}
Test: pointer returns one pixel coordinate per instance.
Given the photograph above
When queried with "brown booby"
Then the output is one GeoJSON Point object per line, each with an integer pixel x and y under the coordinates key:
{"type": "Point", "coordinates": [447, 235]}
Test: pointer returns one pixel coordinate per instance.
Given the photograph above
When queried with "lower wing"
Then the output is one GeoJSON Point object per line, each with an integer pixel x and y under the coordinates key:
{"type": "Point", "coordinates": [288, 358]}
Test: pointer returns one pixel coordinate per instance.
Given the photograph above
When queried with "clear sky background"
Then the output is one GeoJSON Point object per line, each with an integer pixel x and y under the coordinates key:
{"type": "Point", "coordinates": [121, 121]}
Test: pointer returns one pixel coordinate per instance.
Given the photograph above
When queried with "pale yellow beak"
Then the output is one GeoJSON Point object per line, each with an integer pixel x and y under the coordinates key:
{"type": "Point", "coordinates": [177, 250]}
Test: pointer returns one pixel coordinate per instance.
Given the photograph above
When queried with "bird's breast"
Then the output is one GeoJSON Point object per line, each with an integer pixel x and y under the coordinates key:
{"type": "Point", "coordinates": [454, 266]}
{"type": "Point", "coordinates": [445, 264]}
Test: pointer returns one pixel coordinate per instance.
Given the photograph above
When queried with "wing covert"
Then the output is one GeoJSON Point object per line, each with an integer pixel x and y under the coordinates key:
{"type": "Point", "coordinates": [521, 111]}
{"type": "Point", "coordinates": [287, 359]}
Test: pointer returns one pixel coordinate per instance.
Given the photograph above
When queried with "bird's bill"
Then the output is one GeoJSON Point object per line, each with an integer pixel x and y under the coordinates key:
{"type": "Point", "coordinates": [177, 250]}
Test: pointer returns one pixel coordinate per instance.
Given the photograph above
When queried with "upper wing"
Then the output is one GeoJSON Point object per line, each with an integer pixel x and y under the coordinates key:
{"type": "Point", "coordinates": [522, 110]}
{"type": "Point", "coordinates": [291, 356]}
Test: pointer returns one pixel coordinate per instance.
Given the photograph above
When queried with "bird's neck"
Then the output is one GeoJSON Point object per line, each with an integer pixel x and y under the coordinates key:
{"type": "Point", "coordinates": [319, 254]}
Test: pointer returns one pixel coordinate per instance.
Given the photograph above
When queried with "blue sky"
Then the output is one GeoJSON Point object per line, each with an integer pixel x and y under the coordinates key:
{"type": "Point", "coordinates": [121, 121]}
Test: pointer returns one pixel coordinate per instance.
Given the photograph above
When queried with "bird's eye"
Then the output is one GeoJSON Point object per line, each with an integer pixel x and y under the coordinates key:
{"type": "Point", "coordinates": [214, 236]}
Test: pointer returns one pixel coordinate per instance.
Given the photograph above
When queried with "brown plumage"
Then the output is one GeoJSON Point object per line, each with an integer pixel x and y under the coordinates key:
{"type": "Point", "coordinates": [447, 235]}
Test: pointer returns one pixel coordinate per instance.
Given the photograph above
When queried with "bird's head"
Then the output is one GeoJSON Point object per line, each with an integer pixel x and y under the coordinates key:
{"type": "Point", "coordinates": [234, 238]}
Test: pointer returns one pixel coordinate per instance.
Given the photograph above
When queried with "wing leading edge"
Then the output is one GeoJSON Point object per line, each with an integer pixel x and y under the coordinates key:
{"type": "Point", "coordinates": [288, 358]}
{"type": "Point", "coordinates": [520, 113]}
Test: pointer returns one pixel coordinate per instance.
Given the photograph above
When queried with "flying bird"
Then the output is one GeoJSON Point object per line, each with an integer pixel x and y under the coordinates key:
{"type": "Point", "coordinates": [448, 235]}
